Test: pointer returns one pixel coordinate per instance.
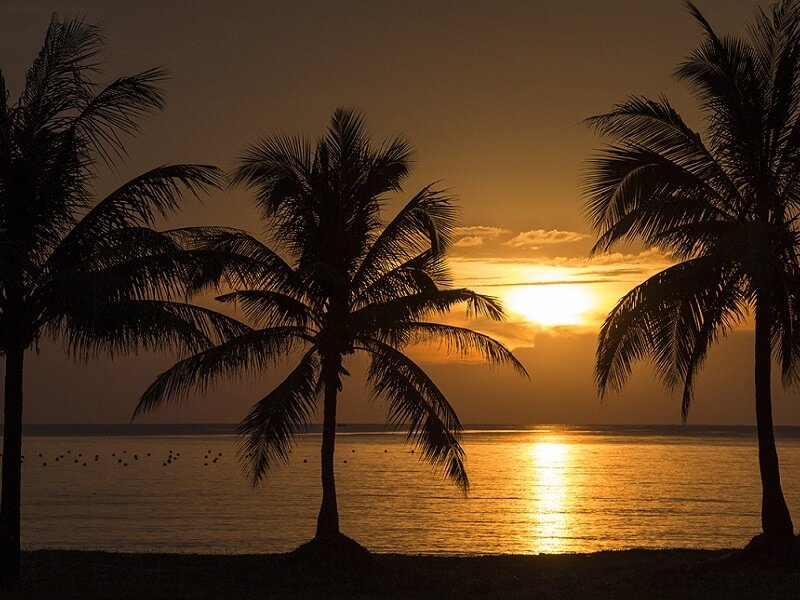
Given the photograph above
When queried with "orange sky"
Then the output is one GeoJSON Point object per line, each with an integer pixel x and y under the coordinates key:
{"type": "Point", "coordinates": [491, 94]}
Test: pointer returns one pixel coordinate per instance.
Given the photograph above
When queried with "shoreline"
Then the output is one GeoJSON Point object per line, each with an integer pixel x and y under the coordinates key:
{"type": "Point", "coordinates": [676, 573]}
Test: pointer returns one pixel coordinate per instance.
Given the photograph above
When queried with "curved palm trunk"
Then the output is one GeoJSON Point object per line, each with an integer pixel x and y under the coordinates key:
{"type": "Point", "coordinates": [776, 522]}
{"type": "Point", "coordinates": [328, 519]}
{"type": "Point", "coordinates": [10, 496]}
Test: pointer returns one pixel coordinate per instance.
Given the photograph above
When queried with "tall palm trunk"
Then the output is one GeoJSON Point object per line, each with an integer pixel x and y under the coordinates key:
{"type": "Point", "coordinates": [328, 520]}
{"type": "Point", "coordinates": [10, 497]}
{"type": "Point", "coordinates": [776, 522]}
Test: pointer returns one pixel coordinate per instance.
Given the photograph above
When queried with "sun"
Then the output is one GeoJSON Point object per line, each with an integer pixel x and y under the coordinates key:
{"type": "Point", "coordinates": [552, 305]}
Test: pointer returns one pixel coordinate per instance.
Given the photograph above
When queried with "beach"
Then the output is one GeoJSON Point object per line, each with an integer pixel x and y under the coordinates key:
{"type": "Point", "coordinates": [51, 574]}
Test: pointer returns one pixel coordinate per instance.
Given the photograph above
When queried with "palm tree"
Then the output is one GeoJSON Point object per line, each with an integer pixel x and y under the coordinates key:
{"type": "Point", "coordinates": [339, 284]}
{"type": "Point", "coordinates": [727, 206]}
{"type": "Point", "coordinates": [92, 273]}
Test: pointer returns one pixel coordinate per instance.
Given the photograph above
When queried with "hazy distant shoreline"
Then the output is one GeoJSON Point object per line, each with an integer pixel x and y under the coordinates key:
{"type": "Point", "coordinates": [621, 574]}
{"type": "Point", "coordinates": [227, 429]}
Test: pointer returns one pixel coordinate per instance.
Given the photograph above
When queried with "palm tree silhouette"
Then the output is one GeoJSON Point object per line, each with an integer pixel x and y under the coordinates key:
{"type": "Point", "coordinates": [92, 273]}
{"type": "Point", "coordinates": [340, 284]}
{"type": "Point", "coordinates": [727, 206]}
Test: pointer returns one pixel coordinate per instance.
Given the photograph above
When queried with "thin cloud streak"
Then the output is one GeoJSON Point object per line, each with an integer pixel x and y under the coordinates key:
{"type": "Point", "coordinates": [552, 282]}
{"type": "Point", "coordinates": [535, 238]}
{"type": "Point", "coordinates": [477, 235]}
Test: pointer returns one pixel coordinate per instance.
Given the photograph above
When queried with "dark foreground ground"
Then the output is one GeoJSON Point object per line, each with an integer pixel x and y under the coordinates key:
{"type": "Point", "coordinates": [627, 574]}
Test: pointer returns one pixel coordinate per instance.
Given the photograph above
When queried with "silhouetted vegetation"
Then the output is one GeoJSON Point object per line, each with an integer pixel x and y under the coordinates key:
{"type": "Point", "coordinates": [93, 273]}
{"type": "Point", "coordinates": [726, 205]}
{"type": "Point", "coordinates": [339, 283]}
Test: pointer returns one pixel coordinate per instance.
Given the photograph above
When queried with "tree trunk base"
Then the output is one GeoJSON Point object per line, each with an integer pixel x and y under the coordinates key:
{"type": "Point", "coordinates": [773, 550]}
{"type": "Point", "coordinates": [335, 549]}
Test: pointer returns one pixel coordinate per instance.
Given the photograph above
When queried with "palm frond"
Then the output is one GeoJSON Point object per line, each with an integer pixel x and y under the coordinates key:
{"type": "Point", "coordinates": [253, 264]}
{"type": "Point", "coordinates": [425, 223]}
{"type": "Point", "coordinates": [122, 327]}
{"type": "Point", "coordinates": [242, 354]}
{"type": "Point", "coordinates": [116, 110]}
{"type": "Point", "coordinates": [266, 308]}
{"type": "Point", "coordinates": [382, 317]}
{"type": "Point", "coordinates": [655, 130]}
{"type": "Point", "coordinates": [417, 404]}
{"type": "Point", "coordinates": [673, 316]}
{"type": "Point", "coordinates": [459, 340]}
{"type": "Point", "coordinates": [637, 194]}
{"type": "Point", "coordinates": [137, 203]}
{"type": "Point", "coordinates": [424, 273]}
{"type": "Point", "coordinates": [58, 82]}
{"type": "Point", "coordinates": [269, 428]}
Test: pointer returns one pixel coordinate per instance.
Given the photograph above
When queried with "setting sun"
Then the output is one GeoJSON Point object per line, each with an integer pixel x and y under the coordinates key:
{"type": "Point", "coordinates": [552, 305]}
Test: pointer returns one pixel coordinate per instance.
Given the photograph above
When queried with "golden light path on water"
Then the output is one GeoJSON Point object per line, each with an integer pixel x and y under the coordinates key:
{"type": "Point", "coordinates": [549, 499]}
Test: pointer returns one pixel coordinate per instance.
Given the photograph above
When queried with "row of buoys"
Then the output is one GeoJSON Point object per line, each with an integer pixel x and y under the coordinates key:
{"type": "Point", "coordinates": [171, 457]}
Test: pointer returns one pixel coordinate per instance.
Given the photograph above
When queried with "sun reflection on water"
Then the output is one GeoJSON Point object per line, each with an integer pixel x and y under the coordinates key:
{"type": "Point", "coordinates": [549, 496]}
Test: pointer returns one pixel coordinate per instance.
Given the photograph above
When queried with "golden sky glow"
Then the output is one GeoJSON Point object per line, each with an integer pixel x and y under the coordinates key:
{"type": "Point", "coordinates": [551, 294]}
{"type": "Point", "coordinates": [552, 305]}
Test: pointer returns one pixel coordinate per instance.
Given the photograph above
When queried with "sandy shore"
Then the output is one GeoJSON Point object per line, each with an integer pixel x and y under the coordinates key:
{"type": "Point", "coordinates": [53, 574]}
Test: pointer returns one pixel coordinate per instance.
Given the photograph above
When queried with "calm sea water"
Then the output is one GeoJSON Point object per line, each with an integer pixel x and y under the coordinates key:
{"type": "Point", "coordinates": [547, 489]}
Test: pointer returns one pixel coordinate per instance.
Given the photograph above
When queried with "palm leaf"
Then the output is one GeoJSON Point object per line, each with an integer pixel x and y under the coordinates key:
{"type": "Point", "coordinates": [116, 110]}
{"type": "Point", "coordinates": [245, 353]}
{"type": "Point", "coordinates": [425, 223]}
{"type": "Point", "coordinates": [269, 428]}
{"type": "Point", "coordinates": [417, 404]}
{"type": "Point", "coordinates": [460, 340]}
{"type": "Point", "coordinates": [266, 308]}
{"type": "Point", "coordinates": [121, 327]}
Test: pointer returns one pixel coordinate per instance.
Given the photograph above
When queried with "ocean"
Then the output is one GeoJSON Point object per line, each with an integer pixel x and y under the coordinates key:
{"type": "Point", "coordinates": [541, 489]}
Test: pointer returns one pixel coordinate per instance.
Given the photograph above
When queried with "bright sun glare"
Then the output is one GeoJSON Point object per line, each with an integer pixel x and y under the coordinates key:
{"type": "Point", "coordinates": [552, 305]}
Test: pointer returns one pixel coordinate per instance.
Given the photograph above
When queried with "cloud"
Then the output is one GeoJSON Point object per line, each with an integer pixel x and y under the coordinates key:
{"type": "Point", "coordinates": [535, 238]}
{"type": "Point", "coordinates": [480, 231]}
{"type": "Point", "coordinates": [470, 241]}
{"type": "Point", "coordinates": [476, 235]}
{"type": "Point", "coordinates": [651, 256]}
